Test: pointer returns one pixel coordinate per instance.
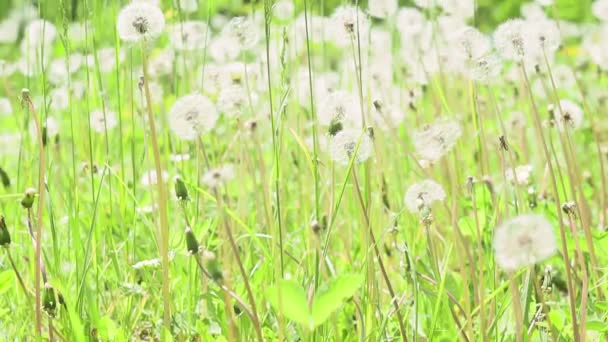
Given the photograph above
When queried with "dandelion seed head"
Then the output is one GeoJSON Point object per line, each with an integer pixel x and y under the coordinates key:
{"type": "Point", "coordinates": [5, 107]}
{"type": "Point", "coordinates": [509, 39]}
{"type": "Point", "coordinates": [382, 8]}
{"type": "Point", "coordinates": [342, 147]}
{"type": "Point", "coordinates": [217, 177]}
{"type": "Point", "coordinates": [101, 122]}
{"type": "Point", "coordinates": [186, 6]}
{"type": "Point", "coordinates": [244, 31]}
{"type": "Point", "coordinates": [233, 100]}
{"type": "Point", "coordinates": [346, 23]}
{"type": "Point", "coordinates": [434, 141]}
{"type": "Point", "coordinates": [140, 21]}
{"type": "Point", "coordinates": [283, 9]}
{"type": "Point", "coordinates": [339, 106]}
{"type": "Point", "coordinates": [570, 114]}
{"type": "Point", "coordinates": [522, 241]}
{"type": "Point", "coordinates": [190, 35]}
{"type": "Point", "coordinates": [599, 8]}
{"type": "Point", "coordinates": [422, 194]}
{"type": "Point", "coordinates": [192, 115]}
{"type": "Point", "coordinates": [519, 175]}
{"type": "Point", "coordinates": [150, 178]}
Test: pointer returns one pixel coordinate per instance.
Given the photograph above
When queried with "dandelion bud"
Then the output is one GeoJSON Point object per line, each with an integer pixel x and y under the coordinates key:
{"type": "Point", "coordinates": [28, 198]}
{"type": "Point", "coordinates": [49, 300]}
{"type": "Point", "coordinates": [180, 189]}
{"type": "Point", "coordinates": [532, 197]}
{"type": "Point", "coordinates": [212, 265]}
{"type": "Point", "coordinates": [191, 242]}
{"type": "Point", "coordinates": [316, 227]}
{"type": "Point", "coordinates": [334, 127]}
{"type": "Point", "coordinates": [569, 207]}
{"type": "Point", "coordinates": [6, 181]}
{"type": "Point", "coordinates": [140, 83]}
{"type": "Point", "coordinates": [25, 96]}
{"type": "Point", "coordinates": [5, 237]}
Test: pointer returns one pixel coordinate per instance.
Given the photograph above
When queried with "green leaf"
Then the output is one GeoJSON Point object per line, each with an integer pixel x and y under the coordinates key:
{"type": "Point", "coordinates": [5, 281]}
{"type": "Point", "coordinates": [330, 300]}
{"type": "Point", "coordinates": [292, 304]}
{"type": "Point", "coordinates": [596, 325]}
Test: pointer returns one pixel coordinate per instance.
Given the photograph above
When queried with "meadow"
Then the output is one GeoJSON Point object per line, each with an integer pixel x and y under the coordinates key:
{"type": "Point", "coordinates": [302, 170]}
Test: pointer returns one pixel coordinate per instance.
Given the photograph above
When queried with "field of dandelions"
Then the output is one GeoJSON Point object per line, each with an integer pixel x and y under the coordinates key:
{"type": "Point", "coordinates": [299, 171]}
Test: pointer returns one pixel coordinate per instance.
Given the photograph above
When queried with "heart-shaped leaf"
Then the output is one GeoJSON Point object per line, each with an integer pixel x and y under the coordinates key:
{"type": "Point", "coordinates": [331, 298]}
{"type": "Point", "coordinates": [292, 303]}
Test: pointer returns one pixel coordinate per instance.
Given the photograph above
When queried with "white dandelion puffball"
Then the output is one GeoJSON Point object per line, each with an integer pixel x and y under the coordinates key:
{"type": "Point", "coordinates": [100, 121]}
{"type": "Point", "coordinates": [187, 6]}
{"type": "Point", "coordinates": [60, 98]}
{"type": "Point", "coordinates": [339, 106]}
{"type": "Point", "coordinates": [283, 9]}
{"type": "Point", "coordinates": [346, 23]}
{"type": "Point", "coordinates": [509, 39]}
{"type": "Point", "coordinates": [519, 175]}
{"type": "Point", "coordinates": [567, 114]}
{"type": "Point", "coordinates": [434, 141]}
{"type": "Point", "coordinates": [151, 178]}
{"type": "Point", "coordinates": [382, 8]}
{"type": "Point", "coordinates": [50, 125]}
{"type": "Point", "coordinates": [139, 21]}
{"type": "Point", "coordinates": [522, 241]}
{"type": "Point", "coordinates": [343, 145]}
{"type": "Point", "coordinates": [599, 8]}
{"type": "Point", "coordinates": [244, 31]}
{"type": "Point", "coordinates": [5, 106]}
{"type": "Point", "coordinates": [192, 115]}
{"type": "Point", "coordinates": [423, 194]}
{"type": "Point", "coordinates": [189, 36]}
{"type": "Point", "coordinates": [217, 177]}
{"type": "Point", "coordinates": [39, 32]}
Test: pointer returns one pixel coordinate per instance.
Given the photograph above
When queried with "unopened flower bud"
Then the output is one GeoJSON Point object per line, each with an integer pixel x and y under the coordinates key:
{"type": "Point", "coordinates": [191, 242]}
{"type": "Point", "coordinates": [180, 189]}
{"type": "Point", "coordinates": [5, 237]}
{"type": "Point", "coordinates": [49, 300]}
{"type": "Point", "coordinates": [28, 198]}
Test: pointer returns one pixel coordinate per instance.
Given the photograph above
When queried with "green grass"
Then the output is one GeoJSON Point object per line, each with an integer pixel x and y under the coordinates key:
{"type": "Point", "coordinates": [305, 249]}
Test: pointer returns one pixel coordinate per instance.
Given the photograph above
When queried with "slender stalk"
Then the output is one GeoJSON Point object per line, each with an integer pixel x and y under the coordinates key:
{"type": "Point", "coordinates": [17, 274]}
{"type": "Point", "coordinates": [394, 298]}
{"type": "Point", "coordinates": [41, 192]}
{"type": "Point", "coordinates": [244, 275]}
{"type": "Point", "coordinates": [562, 230]}
{"type": "Point", "coordinates": [162, 199]}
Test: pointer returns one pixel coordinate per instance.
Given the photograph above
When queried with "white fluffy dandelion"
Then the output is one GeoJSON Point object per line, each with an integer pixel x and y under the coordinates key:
{"type": "Point", "coordinates": [100, 121]}
{"type": "Point", "coordinates": [5, 106]}
{"type": "Point", "coordinates": [509, 39]}
{"type": "Point", "coordinates": [192, 115]}
{"type": "Point", "coordinates": [189, 36]}
{"type": "Point", "coordinates": [382, 8]}
{"type": "Point", "coordinates": [150, 178]}
{"type": "Point", "coordinates": [519, 175]}
{"type": "Point", "coordinates": [522, 241]}
{"type": "Point", "coordinates": [567, 114]}
{"type": "Point", "coordinates": [339, 106]}
{"type": "Point", "coordinates": [434, 141]}
{"type": "Point", "coordinates": [343, 145]}
{"type": "Point", "coordinates": [422, 194]}
{"type": "Point", "coordinates": [139, 21]}
{"type": "Point", "coordinates": [218, 176]}
{"type": "Point", "coordinates": [346, 23]}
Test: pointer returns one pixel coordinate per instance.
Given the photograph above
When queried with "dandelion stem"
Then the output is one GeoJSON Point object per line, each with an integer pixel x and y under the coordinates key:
{"type": "Point", "coordinates": [162, 198]}
{"type": "Point", "coordinates": [41, 192]}
{"type": "Point", "coordinates": [394, 298]}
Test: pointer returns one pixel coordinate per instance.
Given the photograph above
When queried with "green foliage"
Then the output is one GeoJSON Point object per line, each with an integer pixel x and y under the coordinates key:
{"type": "Point", "coordinates": [289, 298]}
